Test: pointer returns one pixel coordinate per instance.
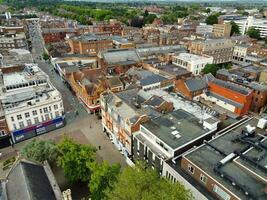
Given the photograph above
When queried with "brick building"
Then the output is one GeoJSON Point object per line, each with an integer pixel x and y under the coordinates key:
{"type": "Point", "coordinates": [123, 112]}
{"type": "Point", "coordinates": [220, 49]}
{"type": "Point", "coordinates": [190, 87]}
{"type": "Point", "coordinates": [227, 95]}
{"type": "Point", "coordinates": [259, 97]}
{"type": "Point", "coordinates": [51, 35]}
{"type": "Point", "coordinates": [89, 44]}
{"type": "Point", "coordinates": [229, 166]}
{"type": "Point", "coordinates": [222, 30]}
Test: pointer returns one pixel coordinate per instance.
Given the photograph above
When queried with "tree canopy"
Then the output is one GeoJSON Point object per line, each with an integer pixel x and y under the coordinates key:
{"type": "Point", "coordinates": [102, 178]}
{"type": "Point", "coordinates": [212, 19]}
{"type": "Point", "coordinates": [234, 29]}
{"type": "Point", "coordinates": [40, 150]}
{"type": "Point", "coordinates": [144, 183]}
{"type": "Point", "coordinates": [74, 158]}
{"type": "Point", "coordinates": [253, 33]}
{"type": "Point", "coordinates": [210, 68]}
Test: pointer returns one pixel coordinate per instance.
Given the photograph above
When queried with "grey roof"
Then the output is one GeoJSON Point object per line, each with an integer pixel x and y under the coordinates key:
{"type": "Point", "coordinates": [229, 101]}
{"type": "Point", "coordinates": [226, 84]}
{"type": "Point", "coordinates": [155, 101]}
{"type": "Point", "coordinates": [179, 122]}
{"type": "Point", "coordinates": [239, 169]}
{"type": "Point", "coordinates": [29, 181]}
{"type": "Point", "coordinates": [140, 73]}
{"type": "Point", "coordinates": [121, 56]}
{"type": "Point", "coordinates": [90, 37]}
{"type": "Point", "coordinates": [152, 80]}
{"type": "Point", "coordinates": [195, 84]}
{"type": "Point", "coordinates": [173, 69]}
{"type": "Point", "coordinates": [257, 86]}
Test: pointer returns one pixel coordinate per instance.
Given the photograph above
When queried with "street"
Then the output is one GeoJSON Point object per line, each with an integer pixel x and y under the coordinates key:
{"type": "Point", "coordinates": [81, 126]}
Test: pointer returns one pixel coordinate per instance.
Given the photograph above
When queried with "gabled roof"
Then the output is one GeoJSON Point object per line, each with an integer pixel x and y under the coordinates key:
{"type": "Point", "coordinates": [152, 80]}
{"type": "Point", "coordinates": [195, 84]}
{"type": "Point", "coordinates": [29, 181]}
{"type": "Point", "coordinates": [121, 56]}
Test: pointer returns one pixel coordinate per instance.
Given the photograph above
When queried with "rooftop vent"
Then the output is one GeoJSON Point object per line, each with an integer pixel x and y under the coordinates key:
{"type": "Point", "coordinates": [250, 129]}
{"type": "Point", "coordinates": [118, 103]}
{"type": "Point", "coordinates": [262, 123]}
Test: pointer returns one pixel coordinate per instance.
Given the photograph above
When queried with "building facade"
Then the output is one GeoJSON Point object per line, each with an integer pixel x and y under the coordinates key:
{"type": "Point", "coordinates": [31, 104]}
{"type": "Point", "coordinates": [220, 49]}
{"type": "Point", "coordinates": [191, 62]}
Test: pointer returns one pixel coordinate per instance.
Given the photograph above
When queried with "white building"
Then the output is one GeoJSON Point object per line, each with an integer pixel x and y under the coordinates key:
{"type": "Point", "coordinates": [204, 28]}
{"type": "Point", "coordinates": [31, 104]}
{"type": "Point", "coordinates": [240, 53]}
{"type": "Point", "coordinates": [191, 62]}
{"type": "Point", "coordinates": [245, 23]}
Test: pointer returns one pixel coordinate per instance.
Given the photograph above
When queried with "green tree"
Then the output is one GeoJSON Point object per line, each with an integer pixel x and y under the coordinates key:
{"type": "Point", "coordinates": [253, 33]}
{"type": "Point", "coordinates": [102, 178]}
{"type": "Point", "coordinates": [74, 159]}
{"type": "Point", "coordinates": [144, 183]}
{"type": "Point", "coordinates": [207, 10]}
{"type": "Point", "coordinates": [149, 18]}
{"type": "Point", "coordinates": [265, 40]}
{"type": "Point", "coordinates": [212, 19]}
{"type": "Point", "coordinates": [234, 29]}
{"type": "Point", "coordinates": [210, 68]}
{"type": "Point", "coordinates": [46, 56]}
{"type": "Point", "coordinates": [40, 150]}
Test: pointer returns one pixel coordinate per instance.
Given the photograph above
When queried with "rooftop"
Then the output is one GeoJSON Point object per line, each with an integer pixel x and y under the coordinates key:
{"type": "Point", "coordinates": [236, 159]}
{"type": "Point", "coordinates": [190, 57]}
{"type": "Point", "coordinates": [176, 128]}
{"type": "Point", "coordinates": [121, 56]}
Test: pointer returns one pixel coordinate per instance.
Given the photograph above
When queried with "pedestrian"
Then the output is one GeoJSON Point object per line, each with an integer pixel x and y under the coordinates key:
{"type": "Point", "coordinates": [99, 147]}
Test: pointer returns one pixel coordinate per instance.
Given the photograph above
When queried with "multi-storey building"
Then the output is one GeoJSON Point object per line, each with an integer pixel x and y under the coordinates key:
{"type": "Point", "coordinates": [31, 104]}
{"type": "Point", "coordinates": [89, 44]}
{"type": "Point", "coordinates": [168, 136]}
{"type": "Point", "coordinates": [222, 30]}
{"type": "Point", "coordinates": [245, 23]}
{"type": "Point", "coordinates": [123, 112]}
{"type": "Point", "coordinates": [240, 53]}
{"type": "Point", "coordinates": [56, 34]}
{"type": "Point", "coordinates": [229, 96]}
{"type": "Point", "coordinates": [220, 49]}
{"type": "Point", "coordinates": [230, 166]}
{"type": "Point", "coordinates": [191, 62]}
{"type": "Point", "coordinates": [204, 28]}
{"type": "Point", "coordinates": [13, 41]}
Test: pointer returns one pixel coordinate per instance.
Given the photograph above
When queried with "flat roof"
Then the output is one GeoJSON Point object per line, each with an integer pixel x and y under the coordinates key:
{"type": "Point", "coordinates": [176, 128]}
{"type": "Point", "coordinates": [238, 173]}
{"type": "Point", "coordinates": [190, 57]}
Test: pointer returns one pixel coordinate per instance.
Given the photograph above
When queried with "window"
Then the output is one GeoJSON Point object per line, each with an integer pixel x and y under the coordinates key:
{"type": "Point", "coordinates": [19, 117]}
{"type": "Point", "coordinates": [191, 169]}
{"type": "Point", "coordinates": [41, 111]}
{"type": "Point", "coordinates": [221, 193]}
{"type": "Point", "coordinates": [45, 110]}
{"type": "Point", "coordinates": [203, 178]}
{"type": "Point", "coordinates": [29, 122]}
{"type": "Point", "coordinates": [46, 117]}
{"type": "Point", "coordinates": [12, 119]}
{"type": "Point", "coordinates": [2, 133]}
{"type": "Point", "coordinates": [15, 127]}
{"type": "Point", "coordinates": [36, 120]}
{"type": "Point", "coordinates": [49, 108]}
{"type": "Point", "coordinates": [55, 107]}
{"type": "Point", "coordinates": [34, 112]}
{"type": "Point", "coordinates": [21, 125]}
{"type": "Point", "coordinates": [57, 114]}
{"type": "Point", "coordinates": [27, 114]}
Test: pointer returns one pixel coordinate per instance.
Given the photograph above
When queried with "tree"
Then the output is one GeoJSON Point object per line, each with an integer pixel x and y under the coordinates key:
{"type": "Point", "coordinates": [45, 56]}
{"type": "Point", "coordinates": [253, 33]}
{"type": "Point", "coordinates": [207, 10]}
{"type": "Point", "coordinates": [212, 19]}
{"type": "Point", "coordinates": [74, 159]}
{"type": "Point", "coordinates": [210, 68]}
{"type": "Point", "coordinates": [234, 29]}
{"type": "Point", "coordinates": [149, 18]}
{"type": "Point", "coordinates": [144, 183]}
{"type": "Point", "coordinates": [40, 150]}
{"type": "Point", "coordinates": [102, 178]}
{"type": "Point", "coordinates": [265, 40]}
